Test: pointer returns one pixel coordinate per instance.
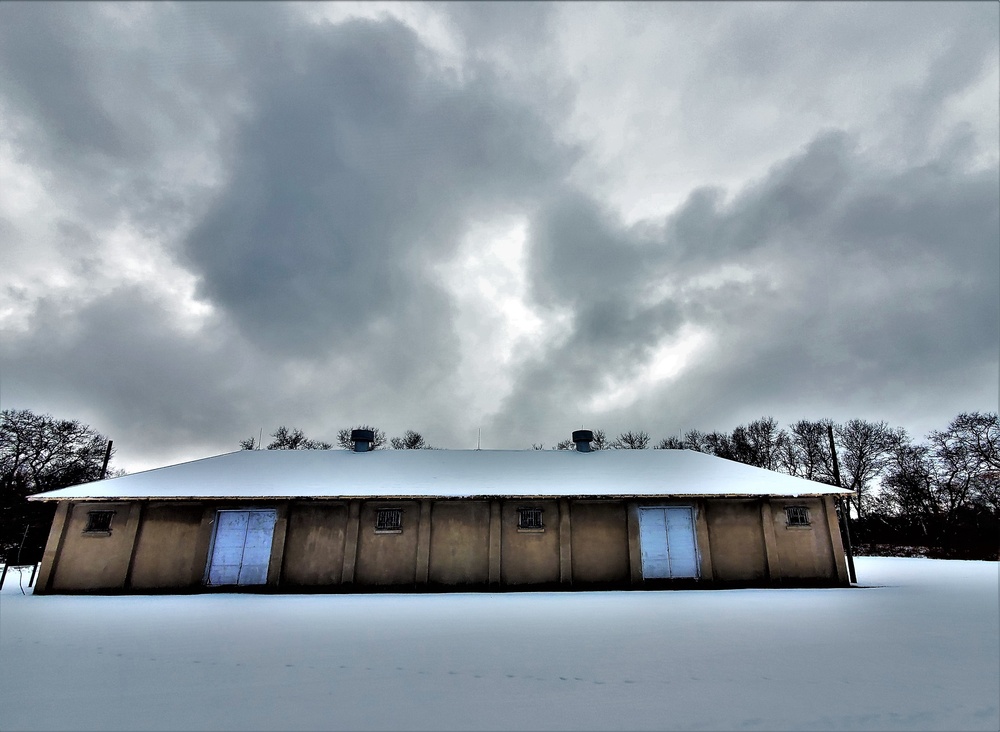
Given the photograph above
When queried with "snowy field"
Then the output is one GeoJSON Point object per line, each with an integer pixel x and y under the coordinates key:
{"type": "Point", "coordinates": [917, 647]}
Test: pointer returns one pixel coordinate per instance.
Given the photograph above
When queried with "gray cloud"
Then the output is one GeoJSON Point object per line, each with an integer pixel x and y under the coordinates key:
{"type": "Point", "coordinates": [579, 253]}
{"type": "Point", "coordinates": [353, 165]}
{"type": "Point", "coordinates": [45, 73]}
{"type": "Point", "coordinates": [311, 180]}
{"type": "Point", "coordinates": [121, 364]}
{"type": "Point", "coordinates": [861, 288]}
{"type": "Point", "coordinates": [355, 172]}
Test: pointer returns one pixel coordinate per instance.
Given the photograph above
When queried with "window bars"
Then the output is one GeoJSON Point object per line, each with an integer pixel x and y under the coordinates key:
{"type": "Point", "coordinates": [796, 516]}
{"type": "Point", "coordinates": [389, 519]}
{"type": "Point", "coordinates": [99, 522]}
{"type": "Point", "coordinates": [529, 518]}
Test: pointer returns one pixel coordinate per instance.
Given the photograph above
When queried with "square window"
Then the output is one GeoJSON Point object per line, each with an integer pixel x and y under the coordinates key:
{"type": "Point", "coordinates": [529, 518]}
{"type": "Point", "coordinates": [389, 519]}
{"type": "Point", "coordinates": [796, 516]}
{"type": "Point", "coordinates": [99, 522]}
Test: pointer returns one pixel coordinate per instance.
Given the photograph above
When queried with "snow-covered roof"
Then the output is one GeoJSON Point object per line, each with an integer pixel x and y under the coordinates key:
{"type": "Point", "coordinates": [446, 473]}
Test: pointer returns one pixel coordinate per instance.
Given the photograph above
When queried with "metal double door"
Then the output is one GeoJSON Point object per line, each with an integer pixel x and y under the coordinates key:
{"type": "Point", "coordinates": [667, 539]}
{"type": "Point", "coordinates": [241, 551]}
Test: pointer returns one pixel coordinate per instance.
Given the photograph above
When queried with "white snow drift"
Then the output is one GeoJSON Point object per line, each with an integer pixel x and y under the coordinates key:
{"type": "Point", "coordinates": [916, 648]}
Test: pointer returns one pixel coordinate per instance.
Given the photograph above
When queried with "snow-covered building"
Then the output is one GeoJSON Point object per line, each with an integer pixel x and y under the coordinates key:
{"type": "Point", "coordinates": [371, 520]}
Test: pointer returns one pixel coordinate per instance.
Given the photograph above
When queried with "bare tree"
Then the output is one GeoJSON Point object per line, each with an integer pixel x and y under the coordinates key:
{"type": "Point", "coordinates": [975, 437]}
{"type": "Point", "coordinates": [565, 445]}
{"type": "Point", "coordinates": [38, 453]}
{"type": "Point", "coordinates": [967, 461]}
{"type": "Point", "coordinates": [807, 452]}
{"type": "Point", "coordinates": [759, 443]}
{"type": "Point", "coordinates": [631, 441]}
{"type": "Point", "coordinates": [600, 441]}
{"type": "Point", "coordinates": [669, 443]}
{"type": "Point", "coordinates": [695, 440]}
{"type": "Point", "coordinates": [286, 439]}
{"type": "Point", "coordinates": [908, 493]}
{"type": "Point", "coordinates": [944, 494]}
{"type": "Point", "coordinates": [865, 451]}
{"type": "Point", "coordinates": [409, 441]}
{"type": "Point", "coordinates": [765, 442]}
{"type": "Point", "coordinates": [720, 445]}
{"type": "Point", "coordinates": [345, 441]}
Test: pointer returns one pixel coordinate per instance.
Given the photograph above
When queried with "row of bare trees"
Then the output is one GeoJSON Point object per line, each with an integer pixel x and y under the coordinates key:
{"type": "Point", "coordinates": [630, 440]}
{"type": "Point", "coordinates": [942, 493]}
{"type": "Point", "coordinates": [294, 439]}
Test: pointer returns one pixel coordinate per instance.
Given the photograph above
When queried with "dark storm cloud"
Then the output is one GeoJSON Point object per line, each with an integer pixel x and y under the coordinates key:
{"type": "Point", "coordinates": [109, 107]}
{"type": "Point", "coordinates": [44, 67]}
{"type": "Point", "coordinates": [115, 363]}
{"type": "Point", "coordinates": [351, 164]}
{"type": "Point", "coordinates": [360, 165]}
{"type": "Point", "coordinates": [857, 284]}
{"type": "Point", "coordinates": [579, 253]}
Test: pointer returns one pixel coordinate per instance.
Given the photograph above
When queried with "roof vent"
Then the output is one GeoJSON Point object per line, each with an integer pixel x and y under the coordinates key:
{"type": "Point", "coordinates": [362, 440]}
{"type": "Point", "coordinates": [583, 438]}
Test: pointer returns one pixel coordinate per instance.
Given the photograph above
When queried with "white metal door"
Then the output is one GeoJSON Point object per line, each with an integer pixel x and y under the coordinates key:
{"type": "Point", "coordinates": [681, 545]}
{"type": "Point", "coordinates": [653, 540]}
{"type": "Point", "coordinates": [241, 552]}
{"type": "Point", "coordinates": [667, 541]}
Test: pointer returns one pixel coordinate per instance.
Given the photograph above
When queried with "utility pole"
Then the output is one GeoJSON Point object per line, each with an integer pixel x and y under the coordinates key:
{"type": "Point", "coordinates": [107, 457]}
{"type": "Point", "coordinates": [845, 509]}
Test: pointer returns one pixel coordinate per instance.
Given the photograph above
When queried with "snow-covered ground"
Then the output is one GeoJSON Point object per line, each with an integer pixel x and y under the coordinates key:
{"type": "Point", "coordinates": [917, 647]}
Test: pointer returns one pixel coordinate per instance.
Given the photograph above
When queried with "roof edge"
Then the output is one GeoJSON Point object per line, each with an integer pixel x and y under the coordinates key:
{"type": "Point", "coordinates": [842, 492]}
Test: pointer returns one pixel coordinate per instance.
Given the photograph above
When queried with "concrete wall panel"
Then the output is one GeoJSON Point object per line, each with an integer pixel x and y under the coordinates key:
{"type": "Point", "coordinates": [95, 561]}
{"type": "Point", "coordinates": [459, 551]}
{"type": "Point", "coordinates": [529, 557]}
{"type": "Point", "coordinates": [600, 542]}
{"type": "Point", "coordinates": [737, 538]}
{"type": "Point", "coordinates": [805, 551]}
{"type": "Point", "coordinates": [314, 544]}
{"type": "Point", "coordinates": [166, 546]}
{"type": "Point", "coordinates": [387, 558]}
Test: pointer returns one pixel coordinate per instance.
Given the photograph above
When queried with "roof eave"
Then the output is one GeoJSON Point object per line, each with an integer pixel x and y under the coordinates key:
{"type": "Point", "coordinates": [416, 497]}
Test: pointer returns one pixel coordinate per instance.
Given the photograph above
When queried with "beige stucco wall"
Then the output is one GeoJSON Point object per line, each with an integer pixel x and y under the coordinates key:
{"type": "Point", "coordinates": [162, 545]}
{"type": "Point", "coordinates": [459, 543]}
{"type": "Point", "coordinates": [314, 545]}
{"type": "Point", "coordinates": [805, 552]}
{"type": "Point", "coordinates": [527, 556]}
{"type": "Point", "coordinates": [166, 549]}
{"type": "Point", "coordinates": [95, 561]}
{"type": "Point", "coordinates": [736, 536]}
{"type": "Point", "coordinates": [390, 558]}
{"type": "Point", "coordinates": [599, 542]}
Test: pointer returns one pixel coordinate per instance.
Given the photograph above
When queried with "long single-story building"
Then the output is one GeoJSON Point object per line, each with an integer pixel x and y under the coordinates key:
{"type": "Point", "coordinates": [378, 520]}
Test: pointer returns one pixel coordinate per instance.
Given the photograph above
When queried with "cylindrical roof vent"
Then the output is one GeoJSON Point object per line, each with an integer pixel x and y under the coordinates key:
{"type": "Point", "coordinates": [583, 438]}
{"type": "Point", "coordinates": [362, 440]}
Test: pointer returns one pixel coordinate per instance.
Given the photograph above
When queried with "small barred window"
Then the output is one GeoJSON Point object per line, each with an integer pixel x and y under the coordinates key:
{"type": "Point", "coordinates": [797, 516]}
{"type": "Point", "coordinates": [389, 519]}
{"type": "Point", "coordinates": [99, 522]}
{"type": "Point", "coordinates": [529, 518]}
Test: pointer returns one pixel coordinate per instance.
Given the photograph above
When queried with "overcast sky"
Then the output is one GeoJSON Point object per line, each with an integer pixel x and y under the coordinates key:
{"type": "Point", "coordinates": [523, 218]}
